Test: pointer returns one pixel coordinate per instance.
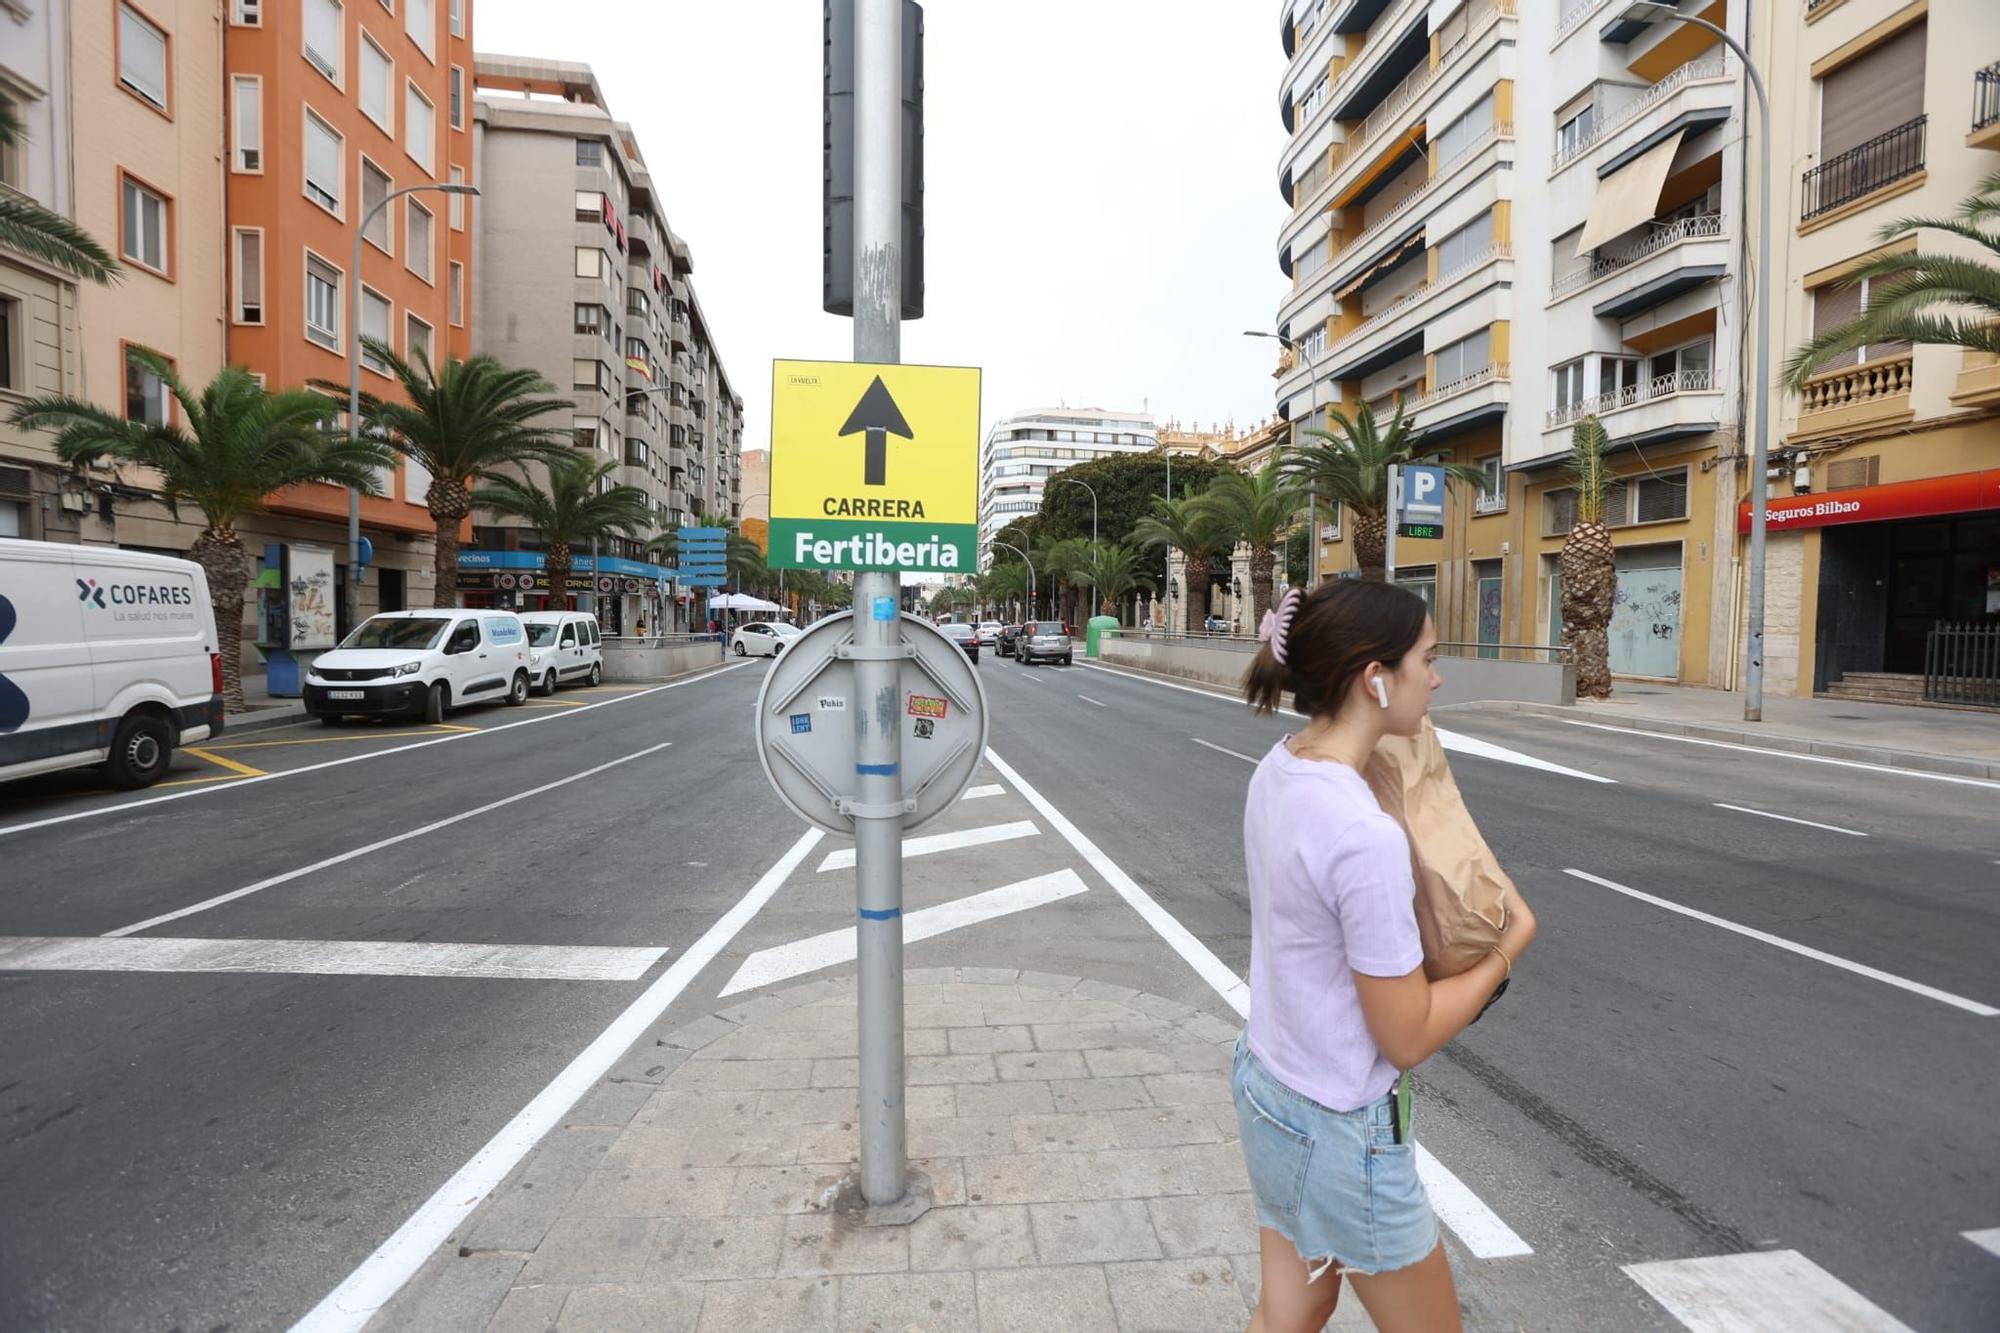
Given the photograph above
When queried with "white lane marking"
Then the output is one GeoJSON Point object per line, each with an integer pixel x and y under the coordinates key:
{"type": "Point", "coordinates": [376, 846]}
{"type": "Point", "coordinates": [1804, 951]}
{"type": "Point", "coordinates": [1783, 754]}
{"type": "Point", "coordinates": [1770, 1291]}
{"type": "Point", "coordinates": [837, 946]}
{"type": "Point", "coordinates": [981, 793]}
{"type": "Point", "coordinates": [1092, 702]}
{"type": "Point", "coordinates": [1988, 1240]}
{"type": "Point", "coordinates": [379, 958]}
{"type": "Point", "coordinates": [1457, 742]}
{"type": "Point", "coordinates": [1463, 1211]}
{"type": "Point", "coordinates": [1766, 814]}
{"type": "Point", "coordinates": [362, 758]}
{"type": "Point", "coordinates": [382, 1274]}
{"type": "Point", "coordinates": [1233, 754]}
{"type": "Point", "coordinates": [943, 842]}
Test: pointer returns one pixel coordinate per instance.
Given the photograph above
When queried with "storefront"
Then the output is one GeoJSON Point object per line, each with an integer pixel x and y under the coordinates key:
{"type": "Point", "coordinates": [623, 593]}
{"type": "Point", "coordinates": [1894, 561]}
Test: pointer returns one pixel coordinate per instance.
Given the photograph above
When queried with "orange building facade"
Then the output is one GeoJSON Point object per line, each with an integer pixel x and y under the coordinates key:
{"type": "Point", "coordinates": [330, 107]}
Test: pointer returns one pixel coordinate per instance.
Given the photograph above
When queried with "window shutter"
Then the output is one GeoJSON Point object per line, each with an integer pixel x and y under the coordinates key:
{"type": "Point", "coordinates": [1835, 304]}
{"type": "Point", "coordinates": [1873, 93]}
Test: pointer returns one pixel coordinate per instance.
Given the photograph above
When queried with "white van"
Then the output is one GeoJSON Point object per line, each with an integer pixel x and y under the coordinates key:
{"type": "Point", "coordinates": [420, 663]}
{"type": "Point", "coordinates": [563, 646]}
{"type": "Point", "coordinates": [106, 657]}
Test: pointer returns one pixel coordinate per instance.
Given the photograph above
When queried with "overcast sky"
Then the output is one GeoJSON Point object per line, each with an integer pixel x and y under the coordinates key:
{"type": "Point", "coordinates": [1102, 206]}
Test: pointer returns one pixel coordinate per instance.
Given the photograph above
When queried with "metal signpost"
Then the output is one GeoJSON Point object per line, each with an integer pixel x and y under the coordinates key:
{"type": "Point", "coordinates": [1416, 508]}
{"type": "Point", "coordinates": [873, 721]}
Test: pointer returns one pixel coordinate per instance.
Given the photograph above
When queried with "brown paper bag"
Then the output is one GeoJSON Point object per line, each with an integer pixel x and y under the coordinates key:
{"type": "Point", "coordinates": [1462, 893]}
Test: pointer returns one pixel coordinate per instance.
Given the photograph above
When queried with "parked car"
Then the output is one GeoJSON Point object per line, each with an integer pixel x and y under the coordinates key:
{"type": "Point", "coordinates": [1044, 641]}
{"type": "Point", "coordinates": [762, 638]}
{"type": "Point", "coordinates": [421, 664]}
{"type": "Point", "coordinates": [1009, 634]}
{"type": "Point", "coordinates": [965, 637]}
{"type": "Point", "coordinates": [1214, 625]}
{"type": "Point", "coordinates": [563, 646]}
{"type": "Point", "coordinates": [989, 634]}
{"type": "Point", "coordinates": [106, 657]}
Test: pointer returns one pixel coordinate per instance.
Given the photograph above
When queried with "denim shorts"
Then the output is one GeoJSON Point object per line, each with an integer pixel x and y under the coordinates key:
{"type": "Point", "coordinates": [1336, 1184]}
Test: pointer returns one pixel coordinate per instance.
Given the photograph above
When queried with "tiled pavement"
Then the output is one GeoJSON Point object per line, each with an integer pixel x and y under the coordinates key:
{"type": "Point", "coordinates": [1079, 1137]}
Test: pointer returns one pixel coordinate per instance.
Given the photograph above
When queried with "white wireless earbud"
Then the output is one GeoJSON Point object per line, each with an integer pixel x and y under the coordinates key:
{"type": "Point", "coordinates": [1381, 691]}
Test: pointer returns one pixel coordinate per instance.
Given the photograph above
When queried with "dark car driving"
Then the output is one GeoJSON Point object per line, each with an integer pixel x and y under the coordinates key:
{"type": "Point", "coordinates": [965, 636]}
{"type": "Point", "coordinates": [1009, 634]}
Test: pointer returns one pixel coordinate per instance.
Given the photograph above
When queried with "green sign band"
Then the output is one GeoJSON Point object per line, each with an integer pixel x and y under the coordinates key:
{"type": "Point", "coordinates": [913, 548]}
{"type": "Point", "coordinates": [1421, 531]}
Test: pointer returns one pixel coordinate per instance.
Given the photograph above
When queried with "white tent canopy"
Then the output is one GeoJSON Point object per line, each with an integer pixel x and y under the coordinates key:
{"type": "Point", "coordinates": [740, 601]}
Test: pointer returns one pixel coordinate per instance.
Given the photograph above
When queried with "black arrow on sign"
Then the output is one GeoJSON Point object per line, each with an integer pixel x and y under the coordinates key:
{"type": "Point", "coordinates": [877, 414]}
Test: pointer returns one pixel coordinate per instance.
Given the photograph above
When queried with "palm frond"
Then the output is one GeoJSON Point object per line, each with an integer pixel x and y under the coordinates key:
{"type": "Point", "coordinates": [52, 238]}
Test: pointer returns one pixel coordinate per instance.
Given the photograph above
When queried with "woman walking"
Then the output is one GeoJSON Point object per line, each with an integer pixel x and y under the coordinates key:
{"type": "Point", "coordinates": [1340, 1004]}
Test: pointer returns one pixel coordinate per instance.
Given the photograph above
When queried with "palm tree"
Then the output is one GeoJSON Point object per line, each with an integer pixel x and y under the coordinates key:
{"type": "Point", "coordinates": [576, 508]}
{"type": "Point", "coordinates": [1063, 560]}
{"type": "Point", "coordinates": [1198, 536]}
{"type": "Point", "coordinates": [226, 450]}
{"type": "Point", "coordinates": [1007, 584]}
{"type": "Point", "coordinates": [1906, 290]}
{"type": "Point", "coordinates": [461, 424]}
{"type": "Point", "coordinates": [1352, 468]}
{"type": "Point", "coordinates": [1257, 509]}
{"type": "Point", "coordinates": [33, 230]}
{"type": "Point", "coordinates": [1116, 570]}
{"type": "Point", "coordinates": [1589, 563]}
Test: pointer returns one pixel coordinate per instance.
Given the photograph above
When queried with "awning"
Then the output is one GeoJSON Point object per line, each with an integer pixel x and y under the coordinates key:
{"type": "Point", "coordinates": [1395, 256]}
{"type": "Point", "coordinates": [1627, 197]}
{"type": "Point", "coordinates": [740, 601]}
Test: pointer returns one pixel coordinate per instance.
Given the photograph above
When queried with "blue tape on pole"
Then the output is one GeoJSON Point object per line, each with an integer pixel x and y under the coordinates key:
{"type": "Point", "coordinates": [876, 770]}
{"type": "Point", "coordinates": [886, 914]}
{"type": "Point", "coordinates": [885, 608]}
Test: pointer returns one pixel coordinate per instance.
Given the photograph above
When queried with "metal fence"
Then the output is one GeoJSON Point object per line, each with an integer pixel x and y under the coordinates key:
{"type": "Point", "coordinates": [1985, 96]}
{"type": "Point", "coordinates": [1962, 665]}
{"type": "Point", "coordinates": [1507, 652]}
{"type": "Point", "coordinates": [1864, 168]}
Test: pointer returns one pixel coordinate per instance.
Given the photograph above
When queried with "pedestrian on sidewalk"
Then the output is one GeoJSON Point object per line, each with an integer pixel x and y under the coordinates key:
{"type": "Point", "coordinates": [1339, 1001]}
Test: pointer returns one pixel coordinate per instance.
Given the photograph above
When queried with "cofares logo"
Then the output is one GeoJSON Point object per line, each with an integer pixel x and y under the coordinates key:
{"type": "Point", "coordinates": [14, 707]}
{"type": "Point", "coordinates": [133, 594]}
{"type": "Point", "coordinates": [88, 591]}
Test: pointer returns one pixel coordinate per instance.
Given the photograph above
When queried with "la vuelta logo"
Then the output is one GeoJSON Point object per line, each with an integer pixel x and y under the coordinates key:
{"type": "Point", "coordinates": [88, 591]}
{"type": "Point", "coordinates": [13, 700]}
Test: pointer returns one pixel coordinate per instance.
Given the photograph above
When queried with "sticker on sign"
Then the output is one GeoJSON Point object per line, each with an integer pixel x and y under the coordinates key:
{"type": "Point", "coordinates": [926, 705]}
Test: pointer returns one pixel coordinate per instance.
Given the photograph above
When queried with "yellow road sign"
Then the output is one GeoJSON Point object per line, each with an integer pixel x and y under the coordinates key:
{"type": "Point", "coordinates": [874, 467]}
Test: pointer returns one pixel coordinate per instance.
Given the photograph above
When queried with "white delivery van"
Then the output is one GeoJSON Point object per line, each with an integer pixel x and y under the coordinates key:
{"type": "Point", "coordinates": [420, 663]}
{"type": "Point", "coordinates": [563, 646]}
{"type": "Point", "coordinates": [106, 657]}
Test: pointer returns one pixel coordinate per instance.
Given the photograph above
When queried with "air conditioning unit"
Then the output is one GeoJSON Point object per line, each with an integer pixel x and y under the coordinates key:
{"type": "Point", "coordinates": [70, 502]}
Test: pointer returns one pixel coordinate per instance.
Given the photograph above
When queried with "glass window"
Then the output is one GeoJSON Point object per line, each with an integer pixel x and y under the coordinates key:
{"type": "Point", "coordinates": [323, 154]}
{"type": "Point", "coordinates": [142, 56]}
{"type": "Point", "coordinates": [589, 261]}
{"type": "Point", "coordinates": [589, 205]}
{"type": "Point", "coordinates": [589, 153]}
{"type": "Point", "coordinates": [249, 260]}
{"type": "Point", "coordinates": [458, 18]}
{"type": "Point", "coordinates": [590, 374]}
{"type": "Point", "coordinates": [247, 13]}
{"type": "Point", "coordinates": [322, 302]}
{"type": "Point", "coordinates": [584, 432]}
{"type": "Point", "coordinates": [419, 230]}
{"type": "Point", "coordinates": [416, 338]}
{"type": "Point", "coordinates": [457, 102]}
{"type": "Point", "coordinates": [247, 106]}
{"type": "Point", "coordinates": [457, 283]}
{"type": "Point", "coordinates": [420, 21]}
{"type": "Point", "coordinates": [1464, 358]}
{"type": "Point", "coordinates": [378, 79]}
{"type": "Point", "coordinates": [1568, 388]}
{"type": "Point", "coordinates": [1466, 244]}
{"type": "Point", "coordinates": [419, 126]}
{"type": "Point", "coordinates": [375, 187]}
{"type": "Point", "coordinates": [146, 395]}
{"type": "Point", "coordinates": [376, 312]}
{"type": "Point", "coordinates": [1459, 136]}
{"type": "Point", "coordinates": [145, 240]}
{"type": "Point", "coordinates": [590, 319]}
{"type": "Point", "coordinates": [457, 204]}
{"type": "Point", "coordinates": [323, 36]}
{"type": "Point", "coordinates": [1575, 130]}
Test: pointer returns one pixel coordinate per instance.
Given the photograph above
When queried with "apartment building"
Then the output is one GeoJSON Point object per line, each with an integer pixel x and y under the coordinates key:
{"type": "Point", "coordinates": [582, 279]}
{"type": "Point", "coordinates": [1505, 217]}
{"type": "Point", "coordinates": [1023, 451]}
{"type": "Point", "coordinates": [1885, 517]}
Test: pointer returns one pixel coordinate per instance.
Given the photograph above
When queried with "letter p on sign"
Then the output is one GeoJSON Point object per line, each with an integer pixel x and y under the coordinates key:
{"type": "Point", "coordinates": [1423, 493]}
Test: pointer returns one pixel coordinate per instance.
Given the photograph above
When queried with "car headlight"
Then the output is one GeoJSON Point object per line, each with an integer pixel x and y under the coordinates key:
{"type": "Point", "coordinates": [408, 669]}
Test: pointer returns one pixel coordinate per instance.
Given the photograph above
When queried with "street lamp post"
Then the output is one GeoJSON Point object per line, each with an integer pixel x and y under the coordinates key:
{"type": "Point", "coordinates": [994, 541]}
{"type": "Point", "coordinates": [1312, 490]}
{"type": "Point", "coordinates": [354, 382]}
{"type": "Point", "coordinates": [1093, 537]}
{"type": "Point", "coordinates": [1650, 12]}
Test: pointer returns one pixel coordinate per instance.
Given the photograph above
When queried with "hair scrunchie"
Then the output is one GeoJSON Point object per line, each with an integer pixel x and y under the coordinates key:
{"type": "Point", "coordinates": [1278, 623]}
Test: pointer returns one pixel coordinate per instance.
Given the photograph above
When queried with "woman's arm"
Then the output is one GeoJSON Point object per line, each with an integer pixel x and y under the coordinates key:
{"type": "Point", "coordinates": [1413, 1018]}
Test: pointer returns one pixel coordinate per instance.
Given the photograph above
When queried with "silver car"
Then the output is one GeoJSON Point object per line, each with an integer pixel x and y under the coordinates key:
{"type": "Point", "coordinates": [1044, 641]}
{"type": "Point", "coordinates": [989, 634]}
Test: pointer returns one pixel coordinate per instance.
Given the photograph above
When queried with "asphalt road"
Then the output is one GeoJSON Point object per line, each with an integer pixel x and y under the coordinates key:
{"type": "Point", "coordinates": [192, 1149]}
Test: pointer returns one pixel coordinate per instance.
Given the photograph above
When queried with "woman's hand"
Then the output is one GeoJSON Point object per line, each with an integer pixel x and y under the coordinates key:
{"type": "Point", "coordinates": [1520, 931]}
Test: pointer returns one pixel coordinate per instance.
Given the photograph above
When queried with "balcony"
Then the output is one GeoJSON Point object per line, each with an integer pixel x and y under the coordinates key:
{"type": "Point", "coordinates": [1873, 393]}
{"type": "Point", "coordinates": [1863, 169]}
{"type": "Point", "coordinates": [1665, 407]}
{"type": "Point", "coordinates": [1696, 96]}
{"type": "Point", "coordinates": [1466, 401]}
{"type": "Point", "coordinates": [1380, 340]}
{"type": "Point", "coordinates": [1985, 108]}
{"type": "Point", "coordinates": [1670, 259]}
{"type": "Point", "coordinates": [1489, 502]}
{"type": "Point", "coordinates": [1575, 15]}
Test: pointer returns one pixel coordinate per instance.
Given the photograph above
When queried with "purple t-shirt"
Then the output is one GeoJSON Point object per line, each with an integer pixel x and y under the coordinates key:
{"type": "Point", "coordinates": [1331, 894]}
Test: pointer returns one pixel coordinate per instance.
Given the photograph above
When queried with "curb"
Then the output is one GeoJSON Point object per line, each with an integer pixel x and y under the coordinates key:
{"type": "Point", "coordinates": [1951, 765]}
{"type": "Point", "coordinates": [263, 719]}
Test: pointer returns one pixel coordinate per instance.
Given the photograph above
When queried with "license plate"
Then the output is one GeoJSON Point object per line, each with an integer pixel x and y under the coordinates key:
{"type": "Point", "coordinates": [347, 694]}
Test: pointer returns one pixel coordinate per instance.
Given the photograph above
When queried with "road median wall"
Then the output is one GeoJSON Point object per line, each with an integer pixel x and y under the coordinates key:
{"type": "Point", "coordinates": [1222, 662]}
{"type": "Point", "coordinates": [643, 662]}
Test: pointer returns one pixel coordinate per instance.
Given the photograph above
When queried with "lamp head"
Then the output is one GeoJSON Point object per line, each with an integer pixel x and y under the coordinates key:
{"type": "Point", "coordinates": [1649, 12]}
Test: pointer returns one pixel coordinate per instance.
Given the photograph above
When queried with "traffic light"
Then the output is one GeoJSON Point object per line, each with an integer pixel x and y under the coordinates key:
{"type": "Point", "coordinates": [837, 165]}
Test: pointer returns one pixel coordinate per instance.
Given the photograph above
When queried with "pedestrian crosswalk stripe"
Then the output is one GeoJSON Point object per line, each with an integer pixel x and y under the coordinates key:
{"type": "Point", "coordinates": [1988, 1240]}
{"type": "Point", "coordinates": [980, 793]}
{"type": "Point", "coordinates": [1773, 1291]}
{"type": "Point", "coordinates": [943, 842]}
{"type": "Point", "coordinates": [382, 958]}
{"type": "Point", "coordinates": [837, 946]}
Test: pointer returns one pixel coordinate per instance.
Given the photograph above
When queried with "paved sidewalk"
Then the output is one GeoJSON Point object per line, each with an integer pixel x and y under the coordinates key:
{"type": "Point", "coordinates": [265, 710]}
{"type": "Point", "coordinates": [1934, 739]}
{"type": "Point", "coordinates": [1079, 1135]}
